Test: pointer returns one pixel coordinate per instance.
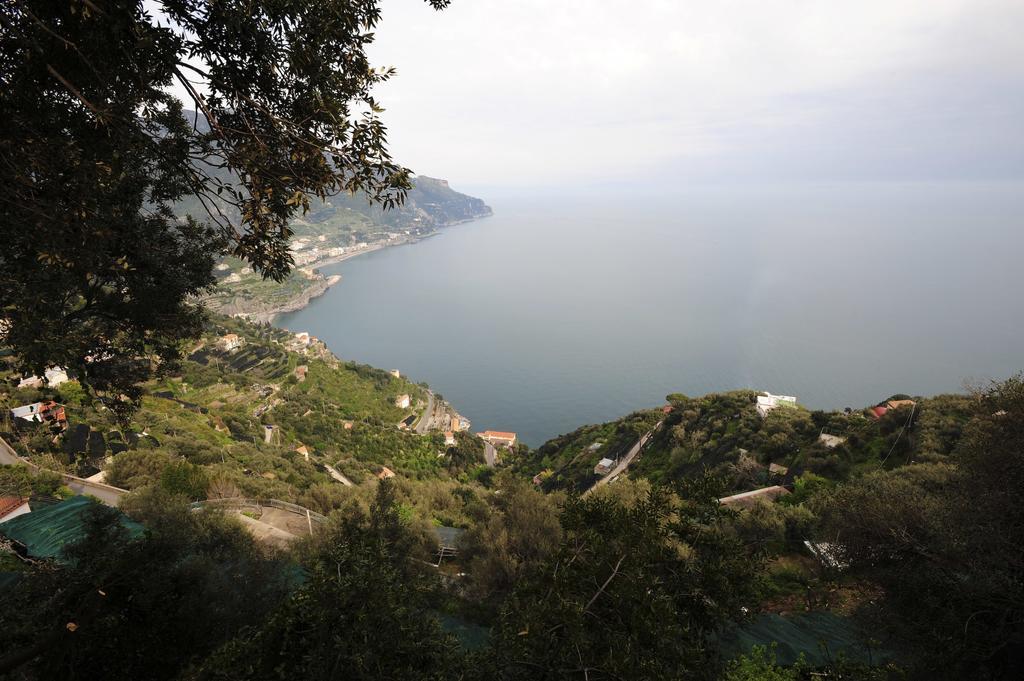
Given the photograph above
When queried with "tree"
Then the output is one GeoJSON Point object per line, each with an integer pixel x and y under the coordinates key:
{"type": "Point", "coordinates": [144, 608]}
{"type": "Point", "coordinates": [947, 543]}
{"type": "Point", "coordinates": [361, 614]}
{"type": "Point", "coordinates": [98, 272]}
{"type": "Point", "coordinates": [510, 538]}
{"type": "Point", "coordinates": [633, 592]}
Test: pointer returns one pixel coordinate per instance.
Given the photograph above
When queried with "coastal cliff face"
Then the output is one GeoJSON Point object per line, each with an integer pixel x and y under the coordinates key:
{"type": "Point", "coordinates": [430, 205]}
{"type": "Point", "coordinates": [336, 229]}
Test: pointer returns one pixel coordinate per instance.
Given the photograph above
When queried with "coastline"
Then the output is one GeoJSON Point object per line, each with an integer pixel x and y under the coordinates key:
{"type": "Point", "coordinates": [321, 283]}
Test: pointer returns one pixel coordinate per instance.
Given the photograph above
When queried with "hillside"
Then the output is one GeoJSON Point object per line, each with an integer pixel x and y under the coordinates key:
{"type": "Point", "coordinates": [211, 416]}
{"type": "Point", "coordinates": [724, 433]}
{"type": "Point", "coordinates": [335, 229]}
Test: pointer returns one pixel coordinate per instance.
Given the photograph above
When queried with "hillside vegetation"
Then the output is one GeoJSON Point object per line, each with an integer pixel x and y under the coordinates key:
{"type": "Point", "coordinates": [724, 433]}
{"type": "Point", "coordinates": [209, 418]}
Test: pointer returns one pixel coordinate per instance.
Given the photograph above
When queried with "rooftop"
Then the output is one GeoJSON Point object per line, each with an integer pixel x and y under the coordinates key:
{"type": "Point", "coordinates": [498, 434]}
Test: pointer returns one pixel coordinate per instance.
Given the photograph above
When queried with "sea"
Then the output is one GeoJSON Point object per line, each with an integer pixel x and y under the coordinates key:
{"type": "Point", "coordinates": [564, 310]}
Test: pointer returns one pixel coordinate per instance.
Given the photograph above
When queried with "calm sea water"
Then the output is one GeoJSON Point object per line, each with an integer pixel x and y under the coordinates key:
{"type": "Point", "coordinates": [556, 313]}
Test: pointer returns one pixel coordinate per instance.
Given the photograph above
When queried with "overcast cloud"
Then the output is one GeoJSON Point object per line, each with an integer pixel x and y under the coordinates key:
{"type": "Point", "coordinates": [526, 93]}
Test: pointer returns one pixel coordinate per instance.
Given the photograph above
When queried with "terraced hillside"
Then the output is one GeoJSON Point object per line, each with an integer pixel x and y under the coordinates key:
{"type": "Point", "coordinates": [264, 419]}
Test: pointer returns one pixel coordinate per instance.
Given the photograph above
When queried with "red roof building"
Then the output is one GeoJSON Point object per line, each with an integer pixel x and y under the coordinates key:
{"type": "Point", "coordinates": [499, 438]}
{"type": "Point", "coordinates": [12, 507]}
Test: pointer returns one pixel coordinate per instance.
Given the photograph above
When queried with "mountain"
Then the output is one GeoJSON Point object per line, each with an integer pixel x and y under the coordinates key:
{"type": "Point", "coordinates": [338, 228]}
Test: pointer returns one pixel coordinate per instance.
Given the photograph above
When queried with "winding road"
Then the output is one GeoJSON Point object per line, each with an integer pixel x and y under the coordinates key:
{"type": "Point", "coordinates": [626, 460]}
{"type": "Point", "coordinates": [428, 415]}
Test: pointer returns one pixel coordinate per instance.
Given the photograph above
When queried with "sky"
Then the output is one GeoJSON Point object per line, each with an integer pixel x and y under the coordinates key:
{"type": "Point", "coordinates": [648, 94]}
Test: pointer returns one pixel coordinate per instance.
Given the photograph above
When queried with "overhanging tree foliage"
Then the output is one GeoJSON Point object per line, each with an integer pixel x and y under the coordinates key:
{"type": "Point", "coordinates": [97, 272]}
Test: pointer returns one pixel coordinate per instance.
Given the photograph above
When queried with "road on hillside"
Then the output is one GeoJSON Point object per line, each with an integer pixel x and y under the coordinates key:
{"type": "Point", "coordinates": [108, 494]}
{"type": "Point", "coordinates": [626, 460]}
{"type": "Point", "coordinates": [336, 474]}
{"type": "Point", "coordinates": [428, 415]}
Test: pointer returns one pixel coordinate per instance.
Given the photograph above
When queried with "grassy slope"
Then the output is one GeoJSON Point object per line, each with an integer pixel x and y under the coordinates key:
{"type": "Point", "coordinates": [205, 414]}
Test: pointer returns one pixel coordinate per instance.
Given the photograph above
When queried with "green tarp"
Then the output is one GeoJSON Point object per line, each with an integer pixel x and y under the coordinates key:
{"type": "Point", "coordinates": [45, 532]}
{"type": "Point", "coordinates": [819, 636]}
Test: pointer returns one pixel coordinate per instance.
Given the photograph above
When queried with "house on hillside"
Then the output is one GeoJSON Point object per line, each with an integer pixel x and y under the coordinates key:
{"type": "Point", "coordinates": [56, 376]}
{"type": "Point", "coordinates": [41, 412]}
{"type": "Point", "coordinates": [31, 382]}
{"type": "Point", "coordinates": [449, 438]}
{"type": "Point", "coordinates": [766, 403]}
{"type": "Point", "coordinates": [396, 373]}
{"type": "Point", "coordinates": [831, 441]}
{"type": "Point", "coordinates": [300, 372]}
{"type": "Point", "coordinates": [883, 409]}
{"type": "Point", "coordinates": [231, 341]}
{"type": "Point", "coordinates": [499, 438]}
{"type": "Point", "coordinates": [604, 466]}
{"type": "Point", "coordinates": [12, 507]}
{"type": "Point", "coordinates": [403, 401]}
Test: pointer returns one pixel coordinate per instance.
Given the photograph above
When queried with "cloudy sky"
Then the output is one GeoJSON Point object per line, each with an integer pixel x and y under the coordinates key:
{"type": "Point", "coordinates": [649, 93]}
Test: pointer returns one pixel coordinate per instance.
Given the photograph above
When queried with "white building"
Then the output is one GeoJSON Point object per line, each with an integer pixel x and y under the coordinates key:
{"type": "Point", "coordinates": [396, 373]}
{"type": "Point", "coordinates": [604, 466]}
{"type": "Point", "coordinates": [403, 401]}
{"type": "Point", "coordinates": [831, 441]}
{"type": "Point", "coordinates": [231, 341]}
{"type": "Point", "coordinates": [31, 382]}
{"type": "Point", "coordinates": [55, 376]}
{"type": "Point", "coordinates": [768, 402]}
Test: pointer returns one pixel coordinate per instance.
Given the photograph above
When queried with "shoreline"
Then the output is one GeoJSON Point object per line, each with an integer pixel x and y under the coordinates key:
{"type": "Point", "coordinates": [321, 282]}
